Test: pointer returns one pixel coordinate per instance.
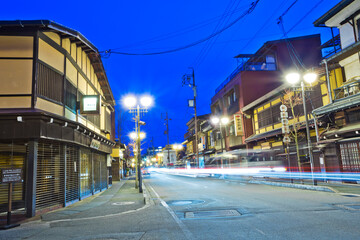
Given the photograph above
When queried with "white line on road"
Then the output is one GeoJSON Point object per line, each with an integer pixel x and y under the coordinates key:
{"type": "Point", "coordinates": [182, 226]}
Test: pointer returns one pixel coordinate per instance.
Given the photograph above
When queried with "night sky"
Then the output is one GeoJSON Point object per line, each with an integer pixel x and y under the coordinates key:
{"type": "Point", "coordinates": [156, 26]}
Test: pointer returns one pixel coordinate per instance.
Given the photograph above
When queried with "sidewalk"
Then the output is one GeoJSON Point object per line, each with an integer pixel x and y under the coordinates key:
{"type": "Point", "coordinates": [335, 187]}
{"type": "Point", "coordinates": [121, 197]}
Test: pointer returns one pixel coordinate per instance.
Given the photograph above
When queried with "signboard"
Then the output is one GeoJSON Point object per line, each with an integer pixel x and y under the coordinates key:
{"type": "Point", "coordinates": [11, 175]}
{"type": "Point", "coordinates": [283, 108]}
{"type": "Point", "coordinates": [284, 114]}
{"type": "Point", "coordinates": [191, 103]}
{"type": "Point", "coordinates": [95, 144]}
{"type": "Point", "coordinates": [286, 139]}
{"type": "Point", "coordinates": [238, 125]}
{"type": "Point", "coordinates": [90, 104]}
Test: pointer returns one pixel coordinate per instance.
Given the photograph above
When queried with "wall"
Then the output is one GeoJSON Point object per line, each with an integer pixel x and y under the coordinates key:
{"type": "Point", "coordinates": [16, 73]}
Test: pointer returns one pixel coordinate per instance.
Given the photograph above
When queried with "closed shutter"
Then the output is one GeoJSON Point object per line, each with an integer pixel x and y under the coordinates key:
{"type": "Point", "coordinates": [103, 170]}
{"type": "Point", "coordinates": [100, 171]}
{"type": "Point", "coordinates": [50, 175]}
{"type": "Point", "coordinates": [72, 174]}
{"type": "Point", "coordinates": [97, 180]}
{"type": "Point", "coordinates": [85, 172]}
{"type": "Point", "coordinates": [13, 155]}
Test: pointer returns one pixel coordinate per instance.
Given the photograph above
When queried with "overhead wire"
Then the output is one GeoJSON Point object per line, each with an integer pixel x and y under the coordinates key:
{"type": "Point", "coordinates": [223, 21]}
{"type": "Point", "coordinates": [248, 11]}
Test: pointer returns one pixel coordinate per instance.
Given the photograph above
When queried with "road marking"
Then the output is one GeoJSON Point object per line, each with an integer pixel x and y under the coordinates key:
{"type": "Point", "coordinates": [182, 226]}
{"type": "Point", "coordinates": [260, 231]}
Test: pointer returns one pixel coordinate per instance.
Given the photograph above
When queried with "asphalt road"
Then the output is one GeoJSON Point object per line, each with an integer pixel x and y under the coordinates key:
{"type": "Point", "coordinates": [259, 211]}
{"type": "Point", "coordinates": [199, 208]}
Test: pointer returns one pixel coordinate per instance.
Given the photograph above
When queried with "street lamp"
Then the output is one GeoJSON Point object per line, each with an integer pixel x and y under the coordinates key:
{"type": "Point", "coordinates": [220, 121]}
{"type": "Point", "coordinates": [177, 147]}
{"type": "Point", "coordinates": [131, 102]}
{"type": "Point", "coordinates": [309, 78]}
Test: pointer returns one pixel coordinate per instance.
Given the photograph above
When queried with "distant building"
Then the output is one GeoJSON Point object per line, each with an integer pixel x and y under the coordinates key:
{"type": "Point", "coordinates": [257, 75]}
{"type": "Point", "coordinates": [46, 70]}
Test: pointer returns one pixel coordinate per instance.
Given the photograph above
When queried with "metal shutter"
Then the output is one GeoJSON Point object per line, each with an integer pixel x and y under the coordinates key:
{"type": "Point", "coordinates": [85, 172]}
{"type": "Point", "coordinates": [97, 172]}
{"type": "Point", "coordinates": [100, 171]}
{"type": "Point", "coordinates": [13, 155]}
{"type": "Point", "coordinates": [50, 175]}
{"type": "Point", "coordinates": [72, 174]}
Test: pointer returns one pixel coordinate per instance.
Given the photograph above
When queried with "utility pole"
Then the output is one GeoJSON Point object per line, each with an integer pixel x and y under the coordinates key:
{"type": "Point", "coordinates": [187, 80]}
{"type": "Point", "coordinates": [167, 133]}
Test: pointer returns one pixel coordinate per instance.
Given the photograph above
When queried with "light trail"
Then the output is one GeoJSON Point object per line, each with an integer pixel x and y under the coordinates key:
{"type": "Point", "coordinates": [265, 172]}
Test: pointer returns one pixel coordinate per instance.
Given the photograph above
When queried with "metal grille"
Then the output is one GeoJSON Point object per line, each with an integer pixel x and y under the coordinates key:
{"type": "Point", "coordinates": [97, 177]}
{"type": "Point", "coordinates": [72, 174]}
{"type": "Point", "coordinates": [50, 83]}
{"type": "Point", "coordinates": [12, 155]}
{"type": "Point", "coordinates": [350, 156]}
{"type": "Point", "coordinates": [100, 171]}
{"type": "Point", "coordinates": [50, 175]}
{"type": "Point", "coordinates": [85, 172]}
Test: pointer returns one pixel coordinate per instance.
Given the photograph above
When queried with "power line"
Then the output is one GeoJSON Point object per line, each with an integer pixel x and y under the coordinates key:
{"type": "Point", "coordinates": [248, 11]}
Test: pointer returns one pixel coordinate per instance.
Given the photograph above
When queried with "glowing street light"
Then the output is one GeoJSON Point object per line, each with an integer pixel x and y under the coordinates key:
{"type": "Point", "coordinates": [308, 77]}
{"type": "Point", "coordinates": [133, 104]}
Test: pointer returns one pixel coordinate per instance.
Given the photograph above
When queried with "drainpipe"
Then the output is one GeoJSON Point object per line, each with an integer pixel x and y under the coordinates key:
{"type": "Point", "coordinates": [328, 80]}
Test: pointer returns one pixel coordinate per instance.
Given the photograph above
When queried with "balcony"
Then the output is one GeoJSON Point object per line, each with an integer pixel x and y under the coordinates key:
{"type": "Point", "coordinates": [347, 90]}
{"type": "Point", "coordinates": [247, 66]}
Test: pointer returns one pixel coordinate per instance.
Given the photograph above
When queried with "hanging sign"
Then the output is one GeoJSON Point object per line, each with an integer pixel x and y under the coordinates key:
{"type": "Point", "coordinates": [90, 104]}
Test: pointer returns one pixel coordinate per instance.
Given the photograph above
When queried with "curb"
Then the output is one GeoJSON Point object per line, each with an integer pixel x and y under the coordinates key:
{"type": "Point", "coordinates": [147, 199]}
{"type": "Point", "coordinates": [299, 186]}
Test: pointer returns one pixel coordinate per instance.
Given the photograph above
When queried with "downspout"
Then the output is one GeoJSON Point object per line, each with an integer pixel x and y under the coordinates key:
{"type": "Point", "coordinates": [328, 80]}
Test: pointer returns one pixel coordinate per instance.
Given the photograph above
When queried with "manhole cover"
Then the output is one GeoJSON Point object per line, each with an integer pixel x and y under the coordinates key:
{"type": "Point", "coordinates": [183, 202]}
{"type": "Point", "coordinates": [122, 203]}
{"type": "Point", "coordinates": [349, 195]}
{"type": "Point", "coordinates": [212, 214]}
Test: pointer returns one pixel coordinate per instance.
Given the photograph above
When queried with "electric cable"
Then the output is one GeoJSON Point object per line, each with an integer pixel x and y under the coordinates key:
{"type": "Point", "coordinates": [248, 11]}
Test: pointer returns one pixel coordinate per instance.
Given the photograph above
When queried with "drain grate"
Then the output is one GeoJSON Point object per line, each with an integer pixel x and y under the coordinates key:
{"type": "Point", "coordinates": [212, 214]}
{"type": "Point", "coordinates": [352, 207]}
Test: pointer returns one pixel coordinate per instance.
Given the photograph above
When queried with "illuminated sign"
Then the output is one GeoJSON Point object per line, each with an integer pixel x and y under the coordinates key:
{"type": "Point", "coordinates": [90, 104]}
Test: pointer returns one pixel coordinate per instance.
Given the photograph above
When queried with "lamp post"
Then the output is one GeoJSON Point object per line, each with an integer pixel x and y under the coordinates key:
{"type": "Point", "coordinates": [309, 77]}
{"type": "Point", "coordinates": [220, 121]}
{"type": "Point", "coordinates": [131, 103]}
{"type": "Point", "coordinates": [177, 147]}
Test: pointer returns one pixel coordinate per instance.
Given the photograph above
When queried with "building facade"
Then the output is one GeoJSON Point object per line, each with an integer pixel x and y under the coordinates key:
{"type": "Point", "coordinates": [257, 75]}
{"type": "Point", "coordinates": [46, 70]}
{"type": "Point", "coordinates": [340, 142]}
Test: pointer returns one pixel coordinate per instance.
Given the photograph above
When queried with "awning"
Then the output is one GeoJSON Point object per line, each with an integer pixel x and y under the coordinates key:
{"type": "Point", "coordinates": [338, 105]}
{"type": "Point", "coordinates": [263, 135]}
{"type": "Point", "coordinates": [348, 128]}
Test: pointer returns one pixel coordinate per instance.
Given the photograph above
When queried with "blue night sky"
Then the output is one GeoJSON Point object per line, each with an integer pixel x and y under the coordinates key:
{"type": "Point", "coordinates": [155, 26]}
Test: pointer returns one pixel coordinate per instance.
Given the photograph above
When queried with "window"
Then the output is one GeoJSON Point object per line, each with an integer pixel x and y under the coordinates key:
{"type": "Point", "coordinates": [50, 83]}
{"type": "Point", "coordinates": [70, 96]}
{"type": "Point", "coordinates": [265, 118]}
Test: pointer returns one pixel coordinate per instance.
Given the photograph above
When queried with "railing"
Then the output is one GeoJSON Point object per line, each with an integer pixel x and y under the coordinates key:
{"type": "Point", "coordinates": [347, 90]}
{"type": "Point", "coordinates": [247, 66]}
